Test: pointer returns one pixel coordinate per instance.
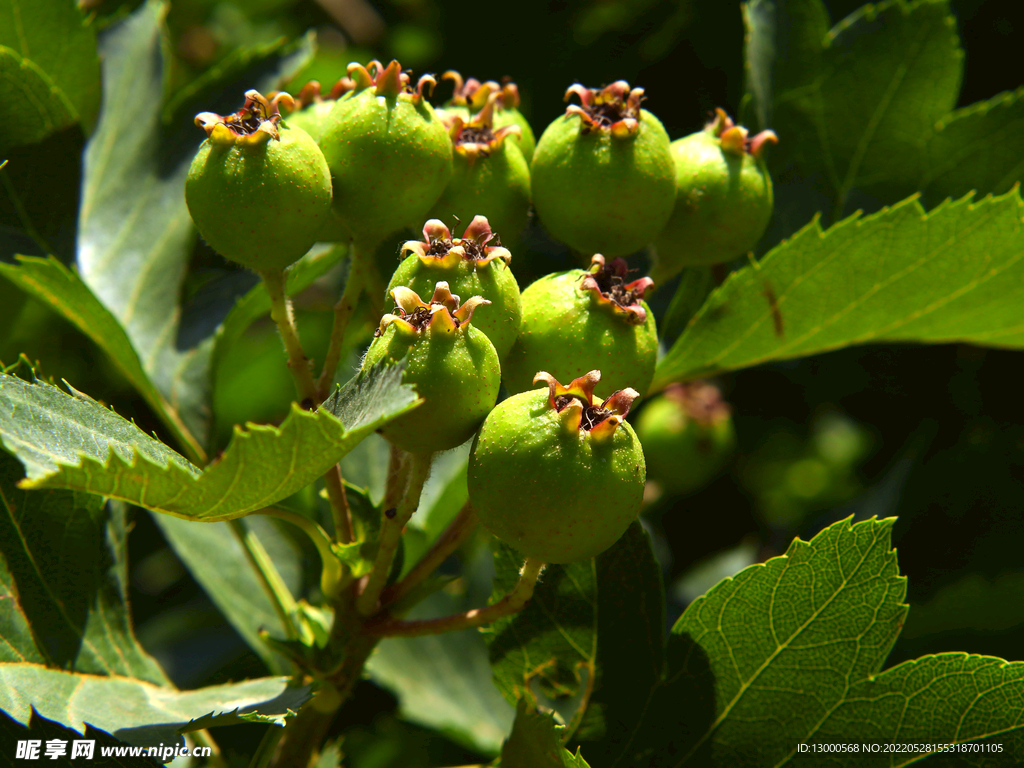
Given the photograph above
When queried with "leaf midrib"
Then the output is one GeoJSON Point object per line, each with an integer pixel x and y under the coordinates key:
{"type": "Point", "coordinates": [746, 685]}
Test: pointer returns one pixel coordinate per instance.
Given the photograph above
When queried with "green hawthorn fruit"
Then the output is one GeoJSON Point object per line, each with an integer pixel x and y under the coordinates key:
{"type": "Point", "coordinates": [452, 365]}
{"type": "Point", "coordinates": [582, 320]}
{"type": "Point", "coordinates": [603, 178]}
{"type": "Point", "coordinates": [388, 151]}
{"type": "Point", "coordinates": [471, 267]}
{"type": "Point", "coordinates": [313, 109]}
{"type": "Point", "coordinates": [488, 174]}
{"type": "Point", "coordinates": [723, 198]}
{"type": "Point", "coordinates": [259, 192]}
{"type": "Point", "coordinates": [557, 473]}
{"type": "Point", "coordinates": [508, 113]}
{"type": "Point", "coordinates": [312, 115]}
{"type": "Point", "coordinates": [688, 436]}
{"type": "Point", "coordinates": [470, 96]}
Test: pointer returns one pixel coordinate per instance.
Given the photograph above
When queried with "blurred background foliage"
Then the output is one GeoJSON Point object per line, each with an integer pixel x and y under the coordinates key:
{"type": "Point", "coordinates": [934, 435]}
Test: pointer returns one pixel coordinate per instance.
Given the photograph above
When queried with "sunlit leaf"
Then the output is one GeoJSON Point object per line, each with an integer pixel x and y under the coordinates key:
{"type": "Point", "coordinates": [806, 634]}
{"type": "Point", "coordinates": [71, 441]}
{"type": "Point", "coordinates": [134, 711]}
{"type": "Point", "coordinates": [902, 275]}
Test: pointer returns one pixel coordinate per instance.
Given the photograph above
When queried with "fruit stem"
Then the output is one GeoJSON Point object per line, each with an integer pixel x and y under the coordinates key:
{"type": "Point", "coordinates": [392, 523]}
{"type": "Point", "coordinates": [340, 513]}
{"type": "Point", "coordinates": [298, 363]}
{"type": "Point", "coordinates": [511, 603]}
{"type": "Point", "coordinates": [343, 311]}
{"type": "Point", "coordinates": [451, 539]}
{"type": "Point", "coordinates": [269, 577]}
{"type": "Point", "coordinates": [398, 477]}
{"type": "Point", "coordinates": [331, 574]}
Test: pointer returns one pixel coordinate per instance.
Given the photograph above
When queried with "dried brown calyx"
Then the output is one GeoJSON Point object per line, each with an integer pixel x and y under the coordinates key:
{"type": "Point", "coordinates": [389, 80]}
{"type": "Point", "coordinates": [478, 137]}
{"type": "Point", "coordinates": [439, 248]}
{"type": "Point", "coordinates": [614, 108]}
{"type": "Point", "coordinates": [577, 409]}
{"type": "Point", "coordinates": [475, 95]}
{"type": "Point", "coordinates": [255, 123]}
{"type": "Point", "coordinates": [443, 312]}
{"type": "Point", "coordinates": [312, 92]}
{"type": "Point", "coordinates": [608, 288]}
{"type": "Point", "coordinates": [734, 137]}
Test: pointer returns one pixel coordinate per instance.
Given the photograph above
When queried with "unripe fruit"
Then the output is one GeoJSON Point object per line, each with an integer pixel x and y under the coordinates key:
{"type": "Point", "coordinates": [389, 153]}
{"type": "Point", "coordinates": [688, 436]}
{"type": "Point", "coordinates": [452, 365]}
{"type": "Point", "coordinates": [470, 97]}
{"type": "Point", "coordinates": [723, 199]}
{"type": "Point", "coordinates": [580, 320]}
{"type": "Point", "coordinates": [558, 474]}
{"type": "Point", "coordinates": [489, 174]}
{"type": "Point", "coordinates": [258, 192]}
{"type": "Point", "coordinates": [313, 109]}
{"type": "Point", "coordinates": [312, 115]}
{"type": "Point", "coordinates": [603, 177]}
{"type": "Point", "coordinates": [471, 267]}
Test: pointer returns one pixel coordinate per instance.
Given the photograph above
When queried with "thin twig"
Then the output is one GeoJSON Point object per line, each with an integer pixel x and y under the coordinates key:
{"type": "Point", "coordinates": [398, 477]}
{"type": "Point", "coordinates": [392, 523]}
{"type": "Point", "coordinates": [343, 311]}
{"type": "Point", "coordinates": [270, 579]}
{"type": "Point", "coordinates": [281, 312]}
{"type": "Point", "coordinates": [340, 513]}
{"type": "Point", "coordinates": [511, 603]}
{"type": "Point", "coordinates": [298, 364]}
{"type": "Point", "coordinates": [454, 535]}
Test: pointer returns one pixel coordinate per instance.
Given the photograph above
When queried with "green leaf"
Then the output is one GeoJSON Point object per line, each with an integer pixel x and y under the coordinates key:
{"type": "Point", "coordinates": [49, 70]}
{"type": "Point", "coordinates": [217, 560]}
{"type": "Point", "coordinates": [979, 147]}
{"type": "Point", "coordinates": [901, 275]}
{"type": "Point", "coordinates": [451, 692]}
{"type": "Point", "coordinates": [630, 646]}
{"type": "Point", "coordinates": [63, 567]}
{"type": "Point", "coordinates": [71, 441]}
{"type": "Point", "coordinates": [868, 93]}
{"type": "Point", "coordinates": [63, 290]}
{"type": "Point", "coordinates": [536, 742]}
{"type": "Point", "coordinates": [286, 705]}
{"type": "Point", "coordinates": [234, 74]}
{"type": "Point", "coordinates": [135, 234]}
{"type": "Point", "coordinates": [135, 711]}
{"type": "Point", "coordinates": [806, 634]}
{"type": "Point", "coordinates": [552, 642]}
{"type": "Point", "coordinates": [359, 555]}
{"type": "Point", "coordinates": [366, 467]}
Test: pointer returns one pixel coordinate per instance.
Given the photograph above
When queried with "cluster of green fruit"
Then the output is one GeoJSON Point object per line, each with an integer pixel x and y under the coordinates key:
{"type": "Point", "coordinates": [555, 472]}
{"type": "Point", "coordinates": [373, 156]}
